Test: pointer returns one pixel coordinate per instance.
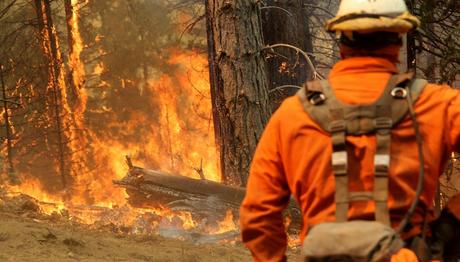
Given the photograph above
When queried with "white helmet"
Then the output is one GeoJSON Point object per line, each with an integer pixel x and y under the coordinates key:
{"type": "Point", "coordinates": [372, 16]}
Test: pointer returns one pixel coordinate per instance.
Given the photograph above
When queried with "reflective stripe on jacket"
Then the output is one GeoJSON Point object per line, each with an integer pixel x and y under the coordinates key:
{"type": "Point", "coordinates": [293, 157]}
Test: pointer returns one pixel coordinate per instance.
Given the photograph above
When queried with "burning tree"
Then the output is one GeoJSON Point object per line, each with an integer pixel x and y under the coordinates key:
{"type": "Point", "coordinates": [8, 132]}
{"type": "Point", "coordinates": [136, 86]}
{"type": "Point", "coordinates": [34, 82]}
{"type": "Point", "coordinates": [56, 85]}
{"type": "Point", "coordinates": [113, 88]}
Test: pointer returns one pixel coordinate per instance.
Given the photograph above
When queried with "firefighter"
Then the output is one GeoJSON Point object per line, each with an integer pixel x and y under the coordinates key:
{"type": "Point", "coordinates": [318, 147]}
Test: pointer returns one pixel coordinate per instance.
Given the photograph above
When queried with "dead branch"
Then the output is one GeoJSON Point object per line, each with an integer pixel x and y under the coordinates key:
{"type": "Point", "coordinates": [7, 8]}
{"type": "Point", "coordinates": [316, 74]}
{"type": "Point", "coordinates": [283, 87]}
{"type": "Point", "coordinates": [320, 8]}
{"type": "Point", "coordinates": [277, 7]}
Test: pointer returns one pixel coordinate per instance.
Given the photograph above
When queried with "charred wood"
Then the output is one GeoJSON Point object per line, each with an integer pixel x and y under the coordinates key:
{"type": "Point", "coordinates": [202, 198]}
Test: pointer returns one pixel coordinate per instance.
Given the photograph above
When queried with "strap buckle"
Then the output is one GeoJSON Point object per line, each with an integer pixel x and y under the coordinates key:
{"type": "Point", "coordinates": [337, 126]}
{"type": "Point", "coordinates": [383, 123]}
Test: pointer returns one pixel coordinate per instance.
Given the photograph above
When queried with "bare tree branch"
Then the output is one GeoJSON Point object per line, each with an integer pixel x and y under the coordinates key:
{"type": "Point", "coordinates": [316, 74]}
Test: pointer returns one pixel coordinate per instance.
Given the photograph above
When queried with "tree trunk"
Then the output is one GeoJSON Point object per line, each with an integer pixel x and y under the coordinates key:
{"type": "Point", "coordinates": [9, 138]}
{"type": "Point", "coordinates": [238, 83]}
{"type": "Point", "coordinates": [45, 23]}
{"type": "Point", "coordinates": [69, 18]}
{"type": "Point", "coordinates": [68, 7]}
{"type": "Point", "coordinates": [285, 21]}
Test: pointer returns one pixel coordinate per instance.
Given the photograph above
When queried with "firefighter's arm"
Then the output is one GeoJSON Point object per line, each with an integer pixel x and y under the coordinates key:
{"type": "Point", "coordinates": [453, 129]}
{"type": "Point", "coordinates": [267, 195]}
{"type": "Point", "coordinates": [453, 117]}
{"type": "Point", "coordinates": [446, 230]}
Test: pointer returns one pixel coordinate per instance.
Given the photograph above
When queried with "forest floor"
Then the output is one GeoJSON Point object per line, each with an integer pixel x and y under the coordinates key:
{"type": "Point", "coordinates": [25, 239]}
{"type": "Point", "coordinates": [26, 234]}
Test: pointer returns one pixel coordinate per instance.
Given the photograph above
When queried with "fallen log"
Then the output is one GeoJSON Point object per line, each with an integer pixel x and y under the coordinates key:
{"type": "Point", "coordinates": [202, 198]}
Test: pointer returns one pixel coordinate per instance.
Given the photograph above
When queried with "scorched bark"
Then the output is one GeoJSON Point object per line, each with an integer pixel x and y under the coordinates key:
{"type": "Point", "coordinates": [238, 83]}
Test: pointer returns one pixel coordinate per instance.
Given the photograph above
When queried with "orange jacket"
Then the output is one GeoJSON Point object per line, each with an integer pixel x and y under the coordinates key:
{"type": "Point", "coordinates": [294, 154]}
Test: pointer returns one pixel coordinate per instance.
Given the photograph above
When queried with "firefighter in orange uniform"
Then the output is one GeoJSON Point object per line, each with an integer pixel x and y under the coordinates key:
{"type": "Point", "coordinates": [317, 141]}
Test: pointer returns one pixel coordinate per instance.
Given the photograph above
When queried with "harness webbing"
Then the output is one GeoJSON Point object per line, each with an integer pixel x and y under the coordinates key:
{"type": "Point", "coordinates": [377, 118]}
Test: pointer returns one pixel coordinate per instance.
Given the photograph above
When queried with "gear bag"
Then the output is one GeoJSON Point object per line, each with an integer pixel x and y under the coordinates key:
{"type": "Point", "coordinates": [358, 240]}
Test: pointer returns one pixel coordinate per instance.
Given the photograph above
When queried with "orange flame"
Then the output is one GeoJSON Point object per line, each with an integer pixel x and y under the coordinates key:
{"type": "Point", "coordinates": [228, 223]}
{"type": "Point", "coordinates": [181, 141]}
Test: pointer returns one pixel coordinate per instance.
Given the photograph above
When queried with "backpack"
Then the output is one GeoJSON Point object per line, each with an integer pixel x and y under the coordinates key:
{"type": "Point", "coordinates": [359, 240]}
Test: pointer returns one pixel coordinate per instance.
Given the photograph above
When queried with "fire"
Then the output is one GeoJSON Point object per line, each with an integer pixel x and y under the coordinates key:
{"type": "Point", "coordinates": [176, 135]}
{"type": "Point", "coordinates": [186, 128]}
{"type": "Point", "coordinates": [34, 189]}
{"type": "Point", "coordinates": [77, 48]}
{"type": "Point", "coordinates": [228, 224]}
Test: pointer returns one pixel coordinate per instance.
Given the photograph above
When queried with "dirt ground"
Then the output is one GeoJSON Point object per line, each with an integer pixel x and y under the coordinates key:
{"type": "Point", "coordinates": [26, 234]}
{"type": "Point", "coordinates": [25, 239]}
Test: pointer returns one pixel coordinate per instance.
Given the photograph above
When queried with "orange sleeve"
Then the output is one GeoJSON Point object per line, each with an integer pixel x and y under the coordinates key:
{"type": "Point", "coordinates": [404, 255]}
{"type": "Point", "coordinates": [453, 117]}
{"type": "Point", "coordinates": [267, 195]}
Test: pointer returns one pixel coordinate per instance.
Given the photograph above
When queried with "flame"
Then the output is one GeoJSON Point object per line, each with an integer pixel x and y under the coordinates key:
{"type": "Point", "coordinates": [77, 48]}
{"type": "Point", "coordinates": [186, 128]}
{"type": "Point", "coordinates": [32, 187]}
{"type": "Point", "coordinates": [228, 223]}
{"type": "Point", "coordinates": [179, 139]}
{"type": "Point", "coordinates": [293, 240]}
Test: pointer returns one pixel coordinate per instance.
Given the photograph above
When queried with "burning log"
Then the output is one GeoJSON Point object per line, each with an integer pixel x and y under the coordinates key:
{"type": "Point", "coordinates": [202, 198]}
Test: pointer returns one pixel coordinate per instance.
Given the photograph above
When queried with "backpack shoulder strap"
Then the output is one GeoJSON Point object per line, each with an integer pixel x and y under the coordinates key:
{"type": "Point", "coordinates": [319, 101]}
{"type": "Point", "coordinates": [397, 94]}
{"type": "Point", "coordinates": [340, 120]}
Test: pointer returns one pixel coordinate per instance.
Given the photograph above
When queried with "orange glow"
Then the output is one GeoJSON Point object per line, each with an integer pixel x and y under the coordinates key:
{"type": "Point", "coordinates": [180, 140]}
{"type": "Point", "coordinates": [228, 224]}
{"type": "Point", "coordinates": [186, 128]}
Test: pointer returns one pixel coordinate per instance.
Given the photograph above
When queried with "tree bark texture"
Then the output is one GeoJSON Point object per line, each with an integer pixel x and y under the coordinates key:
{"type": "Point", "coordinates": [68, 7]}
{"type": "Point", "coordinates": [8, 131]}
{"type": "Point", "coordinates": [286, 22]}
{"type": "Point", "coordinates": [238, 83]}
{"type": "Point", "coordinates": [45, 22]}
